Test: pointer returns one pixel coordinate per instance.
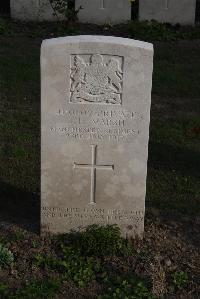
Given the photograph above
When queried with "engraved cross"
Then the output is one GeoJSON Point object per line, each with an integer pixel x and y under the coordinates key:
{"type": "Point", "coordinates": [93, 166]}
{"type": "Point", "coordinates": [166, 4]}
{"type": "Point", "coordinates": [102, 6]}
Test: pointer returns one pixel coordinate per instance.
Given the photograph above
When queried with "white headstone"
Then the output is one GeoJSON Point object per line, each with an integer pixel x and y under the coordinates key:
{"type": "Point", "coordinates": [104, 11]}
{"type": "Point", "coordinates": [168, 11]}
{"type": "Point", "coordinates": [32, 10]}
{"type": "Point", "coordinates": [96, 94]}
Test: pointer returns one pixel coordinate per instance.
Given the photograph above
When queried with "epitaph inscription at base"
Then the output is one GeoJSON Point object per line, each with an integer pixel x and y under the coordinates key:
{"type": "Point", "coordinates": [96, 94]}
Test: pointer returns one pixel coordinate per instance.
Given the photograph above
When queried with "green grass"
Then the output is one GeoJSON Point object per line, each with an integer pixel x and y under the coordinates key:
{"type": "Point", "coordinates": [176, 66]}
{"type": "Point", "coordinates": [100, 241]}
{"type": "Point", "coordinates": [34, 289]}
{"type": "Point", "coordinates": [20, 118]}
{"type": "Point", "coordinates": [180, 279]}
{"type": "Point", "coordinates": [174, 159]}
{"type": "Point", "coordinates": [6, 256]}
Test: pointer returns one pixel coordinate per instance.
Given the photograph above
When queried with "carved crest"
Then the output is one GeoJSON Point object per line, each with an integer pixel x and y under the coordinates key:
{"type": "Point", "coordinates": [96, 79]}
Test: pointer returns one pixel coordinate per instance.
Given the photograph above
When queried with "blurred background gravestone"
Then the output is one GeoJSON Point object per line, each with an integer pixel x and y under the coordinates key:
{"type": "Point", "coordinates": [108, 11]}
{"type": "Point", "coordinates": [32, 10]}
{"type": "Point", "coordinates": [168, 11]}
{"type": "Point", "coordinates": [104, 11]}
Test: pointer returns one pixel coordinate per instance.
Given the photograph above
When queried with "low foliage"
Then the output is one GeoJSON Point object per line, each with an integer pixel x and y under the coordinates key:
{"type": "Point", "coordinates": [79, 254]}
{"type": "Point", "coordinates": [64, 8]}
{"type": "Point", "coordinates": [129, 288]}
{"type": "Point", "coordinates": [180, 279]}
{"type": "Point", "coordinates": [4, 27]}
{"type": "Point", "coordinates": [155, 31]}
{"type": "Point", "coordinates": [6, 256]}
{"type": "Point", "coordinates": [80, 258]}
{"type": "Point", "coordinates": [38, 290]}
{"type": "Point", "coordinates": [4, 290]}
{"type": "Point", "coordinates": [99, 241]}
{"type": "Point", "coordinates": [152, 30]}
{"type": "Point", "coordinates": [81, 270]}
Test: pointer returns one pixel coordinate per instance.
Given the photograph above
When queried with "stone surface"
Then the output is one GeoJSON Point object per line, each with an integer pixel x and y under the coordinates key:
{"type": "Point", "coordinates": [168, 11]}
{"type": "Point", "coordinates": [96, 94]}
{"type": "Point", "coordinates": [104, 11]}
{"type": "Point", "coordinates": [31, 10]}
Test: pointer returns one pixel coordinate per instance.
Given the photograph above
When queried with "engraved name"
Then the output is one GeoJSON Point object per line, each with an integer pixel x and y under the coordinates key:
{"type": "Point", "coordinates": [103, 125]}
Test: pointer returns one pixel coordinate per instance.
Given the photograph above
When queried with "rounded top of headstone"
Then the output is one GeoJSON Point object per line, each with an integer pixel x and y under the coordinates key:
{"type": "Point", "coordinates": [98, 39]}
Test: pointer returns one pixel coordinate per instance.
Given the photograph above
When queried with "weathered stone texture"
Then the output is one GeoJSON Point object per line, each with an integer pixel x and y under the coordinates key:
{"type": "Point", "coordinates": [96, 94]}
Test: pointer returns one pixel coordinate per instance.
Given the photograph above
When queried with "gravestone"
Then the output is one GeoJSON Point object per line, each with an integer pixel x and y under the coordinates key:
{"type": "Point", "coordinates": [96, 94]}
{"type": "Point", "coordinates": [32, 10]}
{"type": "Point", "coordinates": [168, 11]}
{"type": "Point", "coordinates": [4, 7]}
{"type": "Point", "coordinates": [103, 11]}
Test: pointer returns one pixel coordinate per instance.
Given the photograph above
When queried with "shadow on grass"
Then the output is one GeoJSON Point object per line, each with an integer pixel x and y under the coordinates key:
{"type": "Point", "coordinates": [19, 207]}
{"type": "Point", "coordinates": [167, 157]}
{"type": "Point", "coordinates": [173, 188]}
{"type": "Point", "coordinates": [173, 178]}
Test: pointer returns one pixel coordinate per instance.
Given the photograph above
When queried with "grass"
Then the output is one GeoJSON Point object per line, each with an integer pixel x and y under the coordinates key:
{"type": "Point", "coordinates": [176, 69]}
{"type": "Point", "coordinates": [6, 256]}
{"type": "Point", "coordinates": [32, 290]}
{"type": "Point", "coordinates": [19, 128]}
